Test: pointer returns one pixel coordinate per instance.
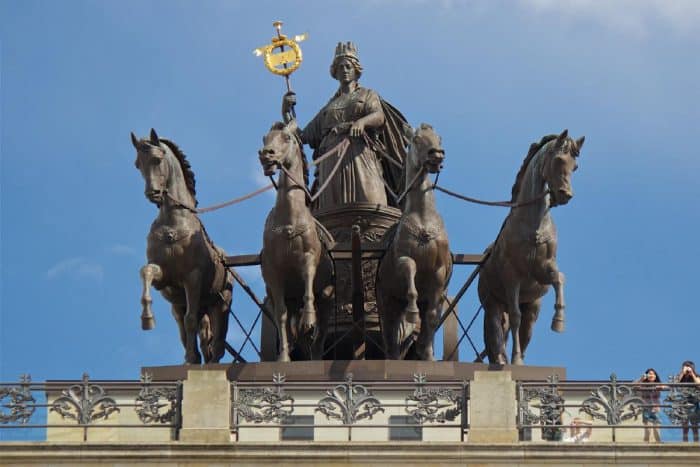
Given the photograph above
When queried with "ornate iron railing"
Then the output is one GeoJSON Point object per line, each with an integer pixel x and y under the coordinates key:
{"type": "Point", "coordinates": [575, 410]}
{"type": "Point", "coordinates": [350, 405]}
{"type": "Point", "coordinates": [74, 407]}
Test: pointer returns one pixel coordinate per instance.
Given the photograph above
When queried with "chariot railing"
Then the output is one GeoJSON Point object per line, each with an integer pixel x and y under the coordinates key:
{"type": "Point", "coordinates": [73, 410]}
{"type": "Point", "coordinates": [350, 410]}
{"type": "Point", "coordinates": [605, 411]}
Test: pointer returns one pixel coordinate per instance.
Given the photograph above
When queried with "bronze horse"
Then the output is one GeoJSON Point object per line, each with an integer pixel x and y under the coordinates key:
{"type": "Point", "coordinates": [183, 263]}
{"type": "Point", "coordinates": [295, 264]}
{"type": "Point", "coordinates": [522, 261]}
{"type": "Point", "coordinates": [415, 271]}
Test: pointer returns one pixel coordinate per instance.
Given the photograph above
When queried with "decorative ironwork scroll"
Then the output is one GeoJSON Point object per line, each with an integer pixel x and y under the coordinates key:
{"type": "Point", "coordinates": [551, 407]}
{"type": "Point", "coordinates": [432, 404]}
{"type": "Point", "coordinates": [551, 403]}
{"type": "Point", "coordinates": [349, 402]}
{"type": "Point", "coordinates": [264, 405]}
{"type": "Point", "coordinates": [19, 401]}
{"type": "Point", "coordinates": [156, 404]}
{"type": "Point", "coordinates": [613, 403]}
{"type": "Point", "coordinates": [84, 403]}
{"type": "Point", "coordinates": [683, 402]}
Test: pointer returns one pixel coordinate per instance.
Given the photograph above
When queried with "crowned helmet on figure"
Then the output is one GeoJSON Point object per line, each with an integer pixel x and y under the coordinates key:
{"type": "Point", "coordinates": [348, 51]}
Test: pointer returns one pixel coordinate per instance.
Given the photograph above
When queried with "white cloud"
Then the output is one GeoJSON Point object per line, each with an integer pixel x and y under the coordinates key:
{"type": "Point", "coordinates": [76, 267]}
{"type": "Point", "coordinates": [632, 17]}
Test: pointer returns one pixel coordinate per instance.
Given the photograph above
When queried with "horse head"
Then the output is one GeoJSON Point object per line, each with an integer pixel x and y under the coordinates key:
{"type": "Point", "coordinates": [560, 164]}
{"type": "Point", "coordinates": [426, 149]}
{"type": "Point", "coordinates": [149, 160]}
{"type": "Point", "coordinates": [279, 146]}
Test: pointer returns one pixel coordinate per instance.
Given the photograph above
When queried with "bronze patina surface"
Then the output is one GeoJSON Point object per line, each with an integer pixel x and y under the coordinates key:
{"type": "Point", "coordinates": [522, 261]}
{"type": "Point", "coordinates": [183, 262]}
{"type": "Point", "coordinates": [415, 272]}
{"type": "Point", "coordinates": [294, 261]}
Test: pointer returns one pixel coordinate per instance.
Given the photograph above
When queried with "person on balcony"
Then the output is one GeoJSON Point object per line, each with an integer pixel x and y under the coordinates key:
{"type": "Point", "coordinates": [649, 390]}
{"type": "Point", "coordinates": [689, 375]}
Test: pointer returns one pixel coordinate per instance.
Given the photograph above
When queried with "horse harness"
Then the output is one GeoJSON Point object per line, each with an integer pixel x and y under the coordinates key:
{"type": "Point", "coordinates": [421, 233]}
{"type": "Point", "coordinates": [290, 230]}
{"type": "Point", "coordinates": [172, 236]}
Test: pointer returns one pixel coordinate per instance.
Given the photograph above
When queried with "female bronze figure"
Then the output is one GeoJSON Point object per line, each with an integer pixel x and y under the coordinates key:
{"type": "Point", "coordinates": [374, 127]}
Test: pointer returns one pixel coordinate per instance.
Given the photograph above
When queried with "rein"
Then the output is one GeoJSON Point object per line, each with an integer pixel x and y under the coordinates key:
{"type": "Point", "coordinates": [418, 175]}
{"type": "Point", "coordinates": [220, 205]}
{"type": "Point", "coordinates": [504, 204]}
{"type": "Point", "coordinates": [339, 148]}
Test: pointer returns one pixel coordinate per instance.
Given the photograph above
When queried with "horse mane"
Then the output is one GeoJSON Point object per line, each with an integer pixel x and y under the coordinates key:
{"type": "Point", "coordinates": [279, 126]}
{"type": "Point", "coordinates": [185, 166]}
{"type": "Point", "coordinates": [534, 149]}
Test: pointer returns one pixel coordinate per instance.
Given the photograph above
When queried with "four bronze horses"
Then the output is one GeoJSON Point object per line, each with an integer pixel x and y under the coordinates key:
{"type": "Point", "coordinates": [415, 271]}
{"type": "Point", "coordinates": [295, 264]}
{"type": "Point", "coordinates": [183, 263]}
{"type": "Point", "coordinates": [522, 261]}
{"type": "Point", "coordinates": [412, 278]}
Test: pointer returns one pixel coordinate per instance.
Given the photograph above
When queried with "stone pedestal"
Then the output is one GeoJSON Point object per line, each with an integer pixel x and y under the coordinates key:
{"type": "Point", "coordinates": [206, 407]}
{"type": "Point", "coordinates": [493, 411]}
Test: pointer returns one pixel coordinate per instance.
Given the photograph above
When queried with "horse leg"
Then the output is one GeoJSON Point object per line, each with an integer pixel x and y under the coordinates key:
{"type": "Point", "coordinates": [193, 287]}
{"type": "Point", "coordinates": [149, 274]}
{"type": "Point", "coordinates": [178, 312]}
{"type": "Point", "coordinates": [514, 318]}
{"type": "Point", "coordinates": [429, 321]}
{"type": "Point", "coordinates": [218, 317]}
{"type": "Point", "coordinates": [559, 305]}
{"type": "Point", "coordinates": [205, 337]}
{"type": "Point", "coordinates": [494, 335]}
{"type": "Point", "coordinates": [530, 312]}
{"type": "Point", "coordinates": [406, 275]}
{"type": "Point", "coordinates": [494, 323]}
{"type": "Point", "coordinates": [280, 311]}
{"type": "Point", "coordinates": [308, 312]}
{"type": "Point", "coordinates": [391, 328]}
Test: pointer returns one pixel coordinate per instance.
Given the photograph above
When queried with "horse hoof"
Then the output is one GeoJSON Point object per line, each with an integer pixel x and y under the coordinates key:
{"type": "Point", "coordinates": [307, 323]}
{"type": "Point", "coordinates": [195, 359]}
{"type": "Point", "coordinates": [558, 325]}
{"type": "Point", "coordinates": [148, 323]}
{"type": "Point", "coordinates": [284, 358]}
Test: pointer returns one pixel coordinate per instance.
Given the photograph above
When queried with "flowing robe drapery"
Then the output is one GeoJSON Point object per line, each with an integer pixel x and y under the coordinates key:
{"type": "Point", "coordinates": [360, 175]}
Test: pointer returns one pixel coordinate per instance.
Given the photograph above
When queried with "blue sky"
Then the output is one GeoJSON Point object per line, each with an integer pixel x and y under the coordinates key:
{"type": "Point", "coordinates": [491, 76]}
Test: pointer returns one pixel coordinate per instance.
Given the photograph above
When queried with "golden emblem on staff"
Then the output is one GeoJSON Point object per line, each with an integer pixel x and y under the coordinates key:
{"type": "Point", "coordinates": [284, 62]}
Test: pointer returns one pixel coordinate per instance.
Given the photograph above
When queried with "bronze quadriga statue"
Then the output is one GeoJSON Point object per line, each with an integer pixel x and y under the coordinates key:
{"type": "Point", "coordinates": [183, 263]}
{"type": "Point", "coordinates": [416, 269]}
{"type": "Point", "coordinates": [295, 264]}
{"type": "Point", "coordinates": [522, 261]}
